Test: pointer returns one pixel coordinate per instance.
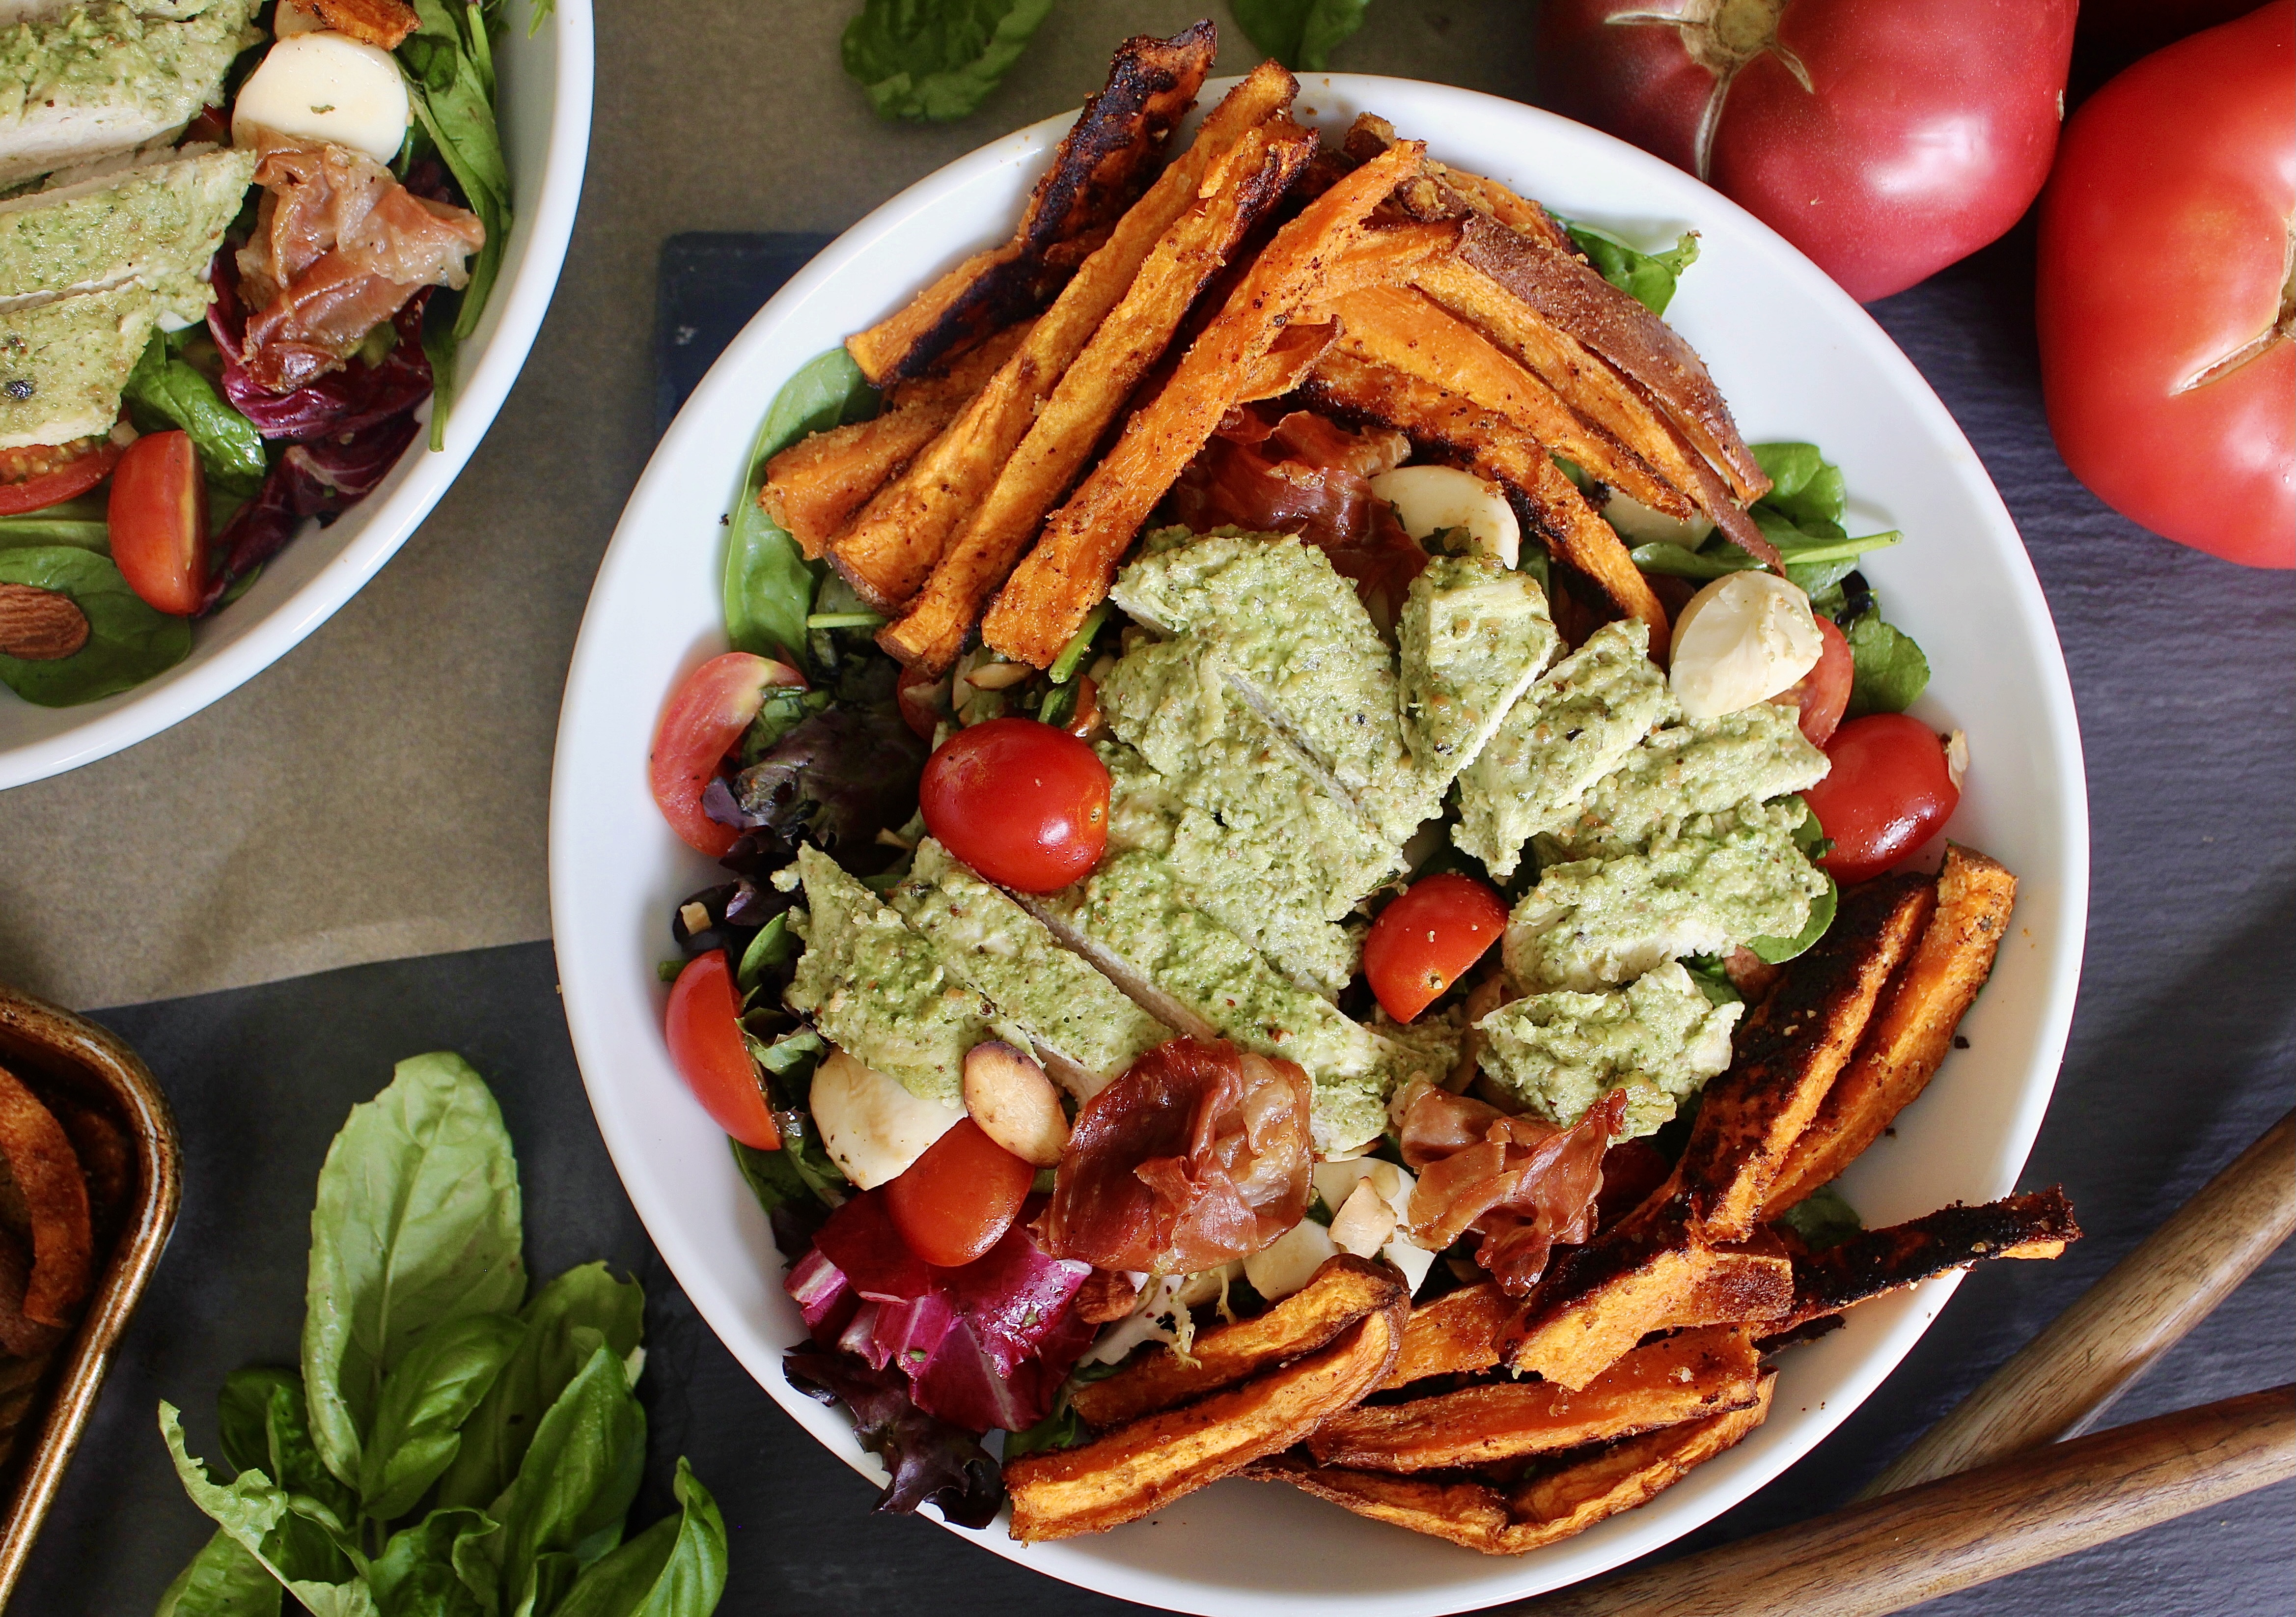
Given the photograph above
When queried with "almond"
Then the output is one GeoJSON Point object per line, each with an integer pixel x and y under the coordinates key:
{"type": "Point", "coordinates": [1014, 1103]}
{"type": "Point", "coordinates": [39, 625]}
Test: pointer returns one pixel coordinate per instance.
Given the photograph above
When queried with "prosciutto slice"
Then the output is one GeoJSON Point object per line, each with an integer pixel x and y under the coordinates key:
{"type": "Point", "coordinates": [1198, 1156]}
{"type": "Point", "coordinates": [339, 246]}
{"type": "Point", "coordinates": [1525, 1185]}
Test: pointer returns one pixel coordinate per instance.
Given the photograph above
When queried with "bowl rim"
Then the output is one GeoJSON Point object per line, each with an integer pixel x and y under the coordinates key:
{"type": "Point", "coordinates": [421, 477]}
{"type": "Point", "coordinates": [1899, 1322]}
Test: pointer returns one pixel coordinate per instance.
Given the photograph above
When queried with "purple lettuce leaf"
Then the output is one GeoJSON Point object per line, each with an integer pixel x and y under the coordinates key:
{"type": "Point", "coordinates": [836, 778]}
{"type": "Point", "coordinates": [348, 400]}
{"type": "Point", "coordinates": [929, 1461]}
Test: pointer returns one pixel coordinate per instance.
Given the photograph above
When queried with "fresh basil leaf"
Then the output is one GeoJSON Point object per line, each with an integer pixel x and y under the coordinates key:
{"type": "Point", "coordinates": [773, 947]}
{"type": "Point", "coordinates": [252, 1509]}
{"type": "Point", "coordinates": [1891, 670]}
{"type": "Point", "coordinates": [1777, 951]}
{"type": "Point", "coordinates": [936, 59]}
{"type": "Point", "coordinates": [1298, 33]}
{"type": "Point", "coordinates": [224, 1580]}
{"type": "Point", "coordinates": [567, 1321]}
{"type": "Point", "coordinates": [416, 1575]}
{"type": "Point", "coordinates": [165, 392]}
{"type": "Point", "coordinates": [1823, 1218]}
{"type": "Point", "coordinates": [1647, 277]}
{"type": "Point", "coordinates": [127, 642]}
{"type": "Point", "coordinates": [575, 1482]}
{"type": "Point", "coordinates": [425, 1399]}
{"type": "Point", "coordinates": [416, 1225]}
{"type": "Point", "coordinates": [769, 585]}
{"type": "Point", "coordinates": [291, 1456]}
{"type": "Point", "coordinates": [676, 1568]}
{"type": "Point", "coordinates": [1805, 486]}
{"type": "Point", "coordinates": [244, 1413]}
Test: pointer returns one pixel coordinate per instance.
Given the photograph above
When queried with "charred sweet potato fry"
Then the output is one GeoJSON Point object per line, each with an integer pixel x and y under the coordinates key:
{"type": "Point", "coordinates": [1242, 184]}
{"type": "Point", "coordinates": [1875, 1262]}
{"type": "Point", "coordinates": [1911, 1030]}
{"type": "Point", "coordinates": [1599, 1299]}
{"type": "Point", "coordinates": [1140, 1468]}
{"type": "Point", "coordinates": [1552, 1505]}
{"type": "Point", "coordinates": [1343, 1291]}
{"type": "Point", "coordinates": [1749, 1283]}
{"type": "Point", "coordinates": [1790, 1051]}
{"type": "Point", "coordinates": [1100, 168]}
{"type": "Point", "coordinates": [1069, 572]}
{"type": "Point", "coordinates": [1682, 1377]}
{"type": "Point", "coordinates": [385, 23]}
{"type": "Point", "coordinates": [47, 1174]}
{"type": "Point", "coordinates": [1458, 1332]}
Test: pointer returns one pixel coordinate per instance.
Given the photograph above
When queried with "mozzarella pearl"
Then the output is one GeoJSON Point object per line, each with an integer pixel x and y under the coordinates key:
{"type": "Point", "coordinates": [872, 1127]}
{"type": "Point", "coordinates": [1743, 639]}
{"type": "Point", "coordinates": [326, 87]}
{"type": "Point", "coordinates": [1428, 499]}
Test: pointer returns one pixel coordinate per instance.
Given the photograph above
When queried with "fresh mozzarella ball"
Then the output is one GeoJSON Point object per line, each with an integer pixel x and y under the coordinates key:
{"type": "Point", "coordinates": [1427, 499]}
{"type": "Point", "coordinates": [1277, 1271]}
{"type": "Point", "coordinates": [1638, 524]}
{"type": "Point", "coordinates": [326, 87]}
{"type": "Point", "coordinates": [288, 18]}
{"type": "Point", "coordinates": [874, 1127]}
{"type": "Point", "coordinates": [1742, 640]}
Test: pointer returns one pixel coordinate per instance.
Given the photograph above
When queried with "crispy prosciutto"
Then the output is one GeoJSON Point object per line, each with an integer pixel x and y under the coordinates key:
{"type": "Point", "coordinates": [1524, 1185]}
{"type": "Point", "coordinates": [338, 247]}
{"type": "Point", "coordinates": [1298, 473]}
{"type": "Point", "coordinates": [1198, 1156]}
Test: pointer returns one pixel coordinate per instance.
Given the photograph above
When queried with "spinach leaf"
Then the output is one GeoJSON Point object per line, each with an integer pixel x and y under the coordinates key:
{"type": "Point", "coordinates": [773, 947]}
{"type": "Point", "coordinates": [48, 527]}
{"type": "Point", "coordinates": [252, 1510]}
{"type": "Point", "coordinates": [676, 1568]}
{"type": "Point", "coordinates": [1805, 486]}
{"type": "Point", "coordinates": [1891, 670]}
{"type": "Point", "coordinates": [127, 642]}
{"type": "Point", "coordinates": [416, 1225]}
{"type": "Point", "coordinates": [1297, 33]}
{"type": "Point", "coordinates": [415, 1575]}
{"type": "Point", "coordinates": [1064, 1428]}
{"type": "Point", "coordinates": [936, 59]}
{"type": "Point", "coordinates": [224, 1580]}
{"type": "Point", "coordinates": [1823, 1218]}
{"type": "Point", "coordinates": [425, 1399]}
{"type": "Point", "coordinates": [567, 1321]}
{"type": "Point", "coordinates": [566, 1505]}
{"type": "Point", "coordinates": [1647, 277]}
{"type": "Point", "coordinates": [771, 1176]}
{"type": "Point", "coordinates": [166, 390]}
{"type": "Point", "coordinates": [1777, 951]}
{"type": "Point", "coordinates": [769, 585]}
{"type": "Point", "coordinates": [1713, 980]}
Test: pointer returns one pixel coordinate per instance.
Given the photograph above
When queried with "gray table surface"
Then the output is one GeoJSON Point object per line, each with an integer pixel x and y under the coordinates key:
{"type": "Point", "coordinates": [378, 796]}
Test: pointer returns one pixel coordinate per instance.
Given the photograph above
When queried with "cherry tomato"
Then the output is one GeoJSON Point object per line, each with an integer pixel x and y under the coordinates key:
{"type": "Point", "coordinates": [956, 1201]}
{"type": "Point", "coordinates": [704, 1030]}
{"type": "Point", "coordinates": [159, 518]}
{"type": "Point", "coordinates": [2167, 359]}
{"type": "Point", "coordinates": [49, 474]}
{"type": "Point", "coordinates": [1024, 804]}
{"type": "Point", "coordinates": [1888, 792]}
{"type": "Point", "coordinates": [1823, 691]}
{"type": "Point", "coordinates": [1425, 939]}
{"type": "Point", "coordinates": [1885, 138]}
{"type": "Point", "coordinates": [702, 723]}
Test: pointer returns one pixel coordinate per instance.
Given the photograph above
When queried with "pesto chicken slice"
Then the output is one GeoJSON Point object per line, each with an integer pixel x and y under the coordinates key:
{"type": "Point", "coordinates": [159, 223]}
{"type": "Point", "coordinates": [1687, 768]}
{"type": "Point", "coordinates": [1658, 1039]}
{"type": "Point", "coordinates": [1071, 1012]}
{"type": "Point", "coordinates": [1472, 637]}
{"type": "Point", "coordinates": [1573, 726]}
{"type": "Point", "coordinates": [1709, 884]}
{"type": "Point", "coordinates": [65, 360]}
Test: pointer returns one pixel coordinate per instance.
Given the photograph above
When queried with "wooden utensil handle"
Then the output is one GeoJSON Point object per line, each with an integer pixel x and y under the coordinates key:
{"type": "Point", "coordinates": [1888, 1554]}
{"type": "Point", "coordinates": [2059, 1382]}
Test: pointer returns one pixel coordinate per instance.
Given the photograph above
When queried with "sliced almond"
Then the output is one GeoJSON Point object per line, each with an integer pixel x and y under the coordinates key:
{"type": "Point", "coordinates": [1366, 1221]}
{"type": "Point", "coordinates": [1015, 1104]}
{"type": "Point", "coordinates": [39, 625]}
{"type": "Point", "coordinates": [998, 675]}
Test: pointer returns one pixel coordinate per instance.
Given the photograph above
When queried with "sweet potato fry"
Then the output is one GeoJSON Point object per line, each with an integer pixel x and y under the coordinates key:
{"type": "Point", "coordinates": [1069, 572]}
{"type": "Point", "coordinates": [890, 549]}
{"type": "Point", "coordinates": [1911, 1030]}
{"type": "Point", "coordinates": [1439, 191]}
{"type": "Point", "coordinates": [1343, 1291]}
{"type": "Point", "coordinates": [1790, 1051]}
{"type": "Point", "coordinates": [1749, 1283]}
{"type": "Point", "coordinates": [47, 1173]}
{"type": "Point", "coordinates": [1143, 1466]}
{"type": "Point", "coordinates": [1242, 185]}
{"type": "Point", "coordinates": [1682, 1377]}
{"type": "Point", "coordinates": [1494, 447]}
{"type": "Point", "coordinates": [1100, 167]}
{"type": "Point", "coordinates": [1875, 1262]}
{"type": "Point", "coordinates": [1599, 1299]}
{"type": "Point", "coordinates": [1459, 1331]}
{"type": "Point", "coordinates": [1547, 1508]}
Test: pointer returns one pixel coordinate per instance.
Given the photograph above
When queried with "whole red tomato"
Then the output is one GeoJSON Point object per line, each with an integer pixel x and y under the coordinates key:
{"type": "Point", "coordinates": [1024, 804]}
{"type": "Point", "coordinates": [2163, 302]}
{"type": "Point", "coordinates": [1885, 138]}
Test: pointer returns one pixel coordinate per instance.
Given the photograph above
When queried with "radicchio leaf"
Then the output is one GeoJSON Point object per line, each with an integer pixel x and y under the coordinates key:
{"type": "Point", "coordinates": [348, 400]}
{"type": "Point", "coordinates": [928, 1460]}
{"type": "Point", "coordinates": [321, 479]}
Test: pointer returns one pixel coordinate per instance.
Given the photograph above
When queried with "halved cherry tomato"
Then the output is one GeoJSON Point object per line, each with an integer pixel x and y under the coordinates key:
{"type": "Point", "coordinates": [1425, 940]}
{"type": "Point", "coordinates": [923, 702]}
{"type": "Point", "coordinates": [702, 723]}
{"type": "Point", "coordinates": [1888, 792]}
{"type": "Point", "coordinates": [1024, 804]}
{"type": "Point", "coordinates": [1823, 691]}
{"type": "Point", "coordinates": [956, 1201]}
{"type": "Point", "coordinates": [159, 517]}
{"type": "Point", "coordinates": [704, 1030]}
{"type": "Point", "coordinates": [49, 474]}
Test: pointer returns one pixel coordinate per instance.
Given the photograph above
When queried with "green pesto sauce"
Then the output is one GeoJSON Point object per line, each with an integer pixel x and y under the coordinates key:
{"type": "Point", "coordinates": [1658, 1040]}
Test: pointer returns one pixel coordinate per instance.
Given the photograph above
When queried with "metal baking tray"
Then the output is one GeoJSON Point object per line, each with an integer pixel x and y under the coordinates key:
{"type": "Point", "coordinates": [49, 1047]}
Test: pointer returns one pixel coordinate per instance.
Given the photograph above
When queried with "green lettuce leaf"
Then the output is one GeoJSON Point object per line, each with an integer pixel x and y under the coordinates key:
{"type": "Point", "coordinates": [127, 642]}
{"type": "Point", "coordinates": [1300, 34]}
{"type": "Point", "coordinates": [166, 390]}
{"type": "Point", "coordinates": [936, 59]}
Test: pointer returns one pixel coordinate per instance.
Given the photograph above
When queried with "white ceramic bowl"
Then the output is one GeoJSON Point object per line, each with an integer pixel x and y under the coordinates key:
{"type": "Point", "coordinates": [1797, 360]}
{"type": "Point", "coordinates": [545, 111]}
